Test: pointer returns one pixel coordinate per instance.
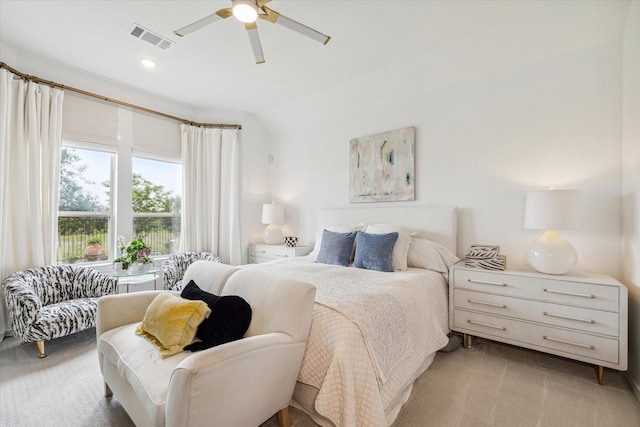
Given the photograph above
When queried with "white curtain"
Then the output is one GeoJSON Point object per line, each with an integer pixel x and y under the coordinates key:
{"type": "Point", "coordinates": [30, 142]}
{"type": "Point", "coordinates": [210, 216]}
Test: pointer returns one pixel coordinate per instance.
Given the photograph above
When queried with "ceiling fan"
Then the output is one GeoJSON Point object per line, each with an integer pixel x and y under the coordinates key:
{"type": "Point", "coordinates": [248, 12]}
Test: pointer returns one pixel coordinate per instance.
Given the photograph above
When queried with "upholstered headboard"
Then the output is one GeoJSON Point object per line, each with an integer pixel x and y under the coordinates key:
{"type": "Point", "coordinates": [437, 223]}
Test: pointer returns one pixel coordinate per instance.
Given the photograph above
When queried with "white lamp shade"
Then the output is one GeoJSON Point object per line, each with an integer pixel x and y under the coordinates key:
{"type": "Point", "coordinates": [272, 213]}
{"type": "Point", "coordinates": [552, 209]}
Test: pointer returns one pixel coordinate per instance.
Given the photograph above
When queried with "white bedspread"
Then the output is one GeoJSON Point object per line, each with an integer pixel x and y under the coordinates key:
{"type": "Point", "coordinates": [370, 332]}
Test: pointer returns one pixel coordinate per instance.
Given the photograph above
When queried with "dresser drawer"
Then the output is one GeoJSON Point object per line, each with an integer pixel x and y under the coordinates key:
{"type": "Point", "coordinates": [582, 319]}
{"type": "Point", "coordinates": [545, 338]}
{"type": "Point", "coordinates": [271, 253]}
{"type": "Point", "coordinates": [266, 253]}
{"type": "Point", "coordinates": [601, 297]}
{"type": "Point", "coordinates": [258, 259]}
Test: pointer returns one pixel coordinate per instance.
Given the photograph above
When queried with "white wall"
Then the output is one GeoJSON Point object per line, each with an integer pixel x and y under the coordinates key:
{"type": "Point", "coordinates": [482, 141]}
{"type": "Point", "coordinates": [631, 185]}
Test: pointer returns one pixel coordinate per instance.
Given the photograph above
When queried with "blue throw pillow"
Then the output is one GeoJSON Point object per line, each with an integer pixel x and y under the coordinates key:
{"type": "Point", "coordinates": [373, 251]}
{"type": "Point", "coordinates": [335, 248]}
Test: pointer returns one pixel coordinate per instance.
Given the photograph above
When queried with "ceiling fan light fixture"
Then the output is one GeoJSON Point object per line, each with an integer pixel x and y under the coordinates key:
{"type": "Point", "coordinates": [245, 10]}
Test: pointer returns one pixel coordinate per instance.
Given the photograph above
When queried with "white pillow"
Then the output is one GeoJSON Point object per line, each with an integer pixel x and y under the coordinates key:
{"type": "Point", "coordinates": [401, 248]}
{"type": "Point", "coordinates": [340, 228]}
{"type": "Point", "coordinates": [424, 253]}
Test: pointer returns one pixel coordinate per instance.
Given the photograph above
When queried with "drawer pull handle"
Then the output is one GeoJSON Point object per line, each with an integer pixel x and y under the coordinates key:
{"type": "Point", "coordinates": [562, 316]}
{"type": "Point", "coordinates": [482, 282]}
{"type": "Point", "coordinates": [590, 347]}
{"type": "Point", "coordinates": [282, 255]}
{"type": "Point", "coordinates": [492, 304]}
{"type": "Point", "coordinates": [255, 251]}
{"type": "Point", "coordinates": [502, 328]}
{"type": "Point", "coordinates": [573, 294]}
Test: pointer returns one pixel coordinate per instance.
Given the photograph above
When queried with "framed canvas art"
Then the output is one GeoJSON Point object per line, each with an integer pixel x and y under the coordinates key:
{"type": "Point", "coordinates": [381, 167]}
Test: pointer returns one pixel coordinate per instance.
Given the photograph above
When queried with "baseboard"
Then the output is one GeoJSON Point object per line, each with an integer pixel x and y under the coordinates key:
{"type": "Point", "coordinates": [635, 386]}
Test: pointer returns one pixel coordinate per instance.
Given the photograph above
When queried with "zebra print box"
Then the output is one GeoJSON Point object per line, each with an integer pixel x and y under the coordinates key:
{"type": "Point", "coordinates": [483, 252]}
{"type": "Point", "coordinates": [497, 263]}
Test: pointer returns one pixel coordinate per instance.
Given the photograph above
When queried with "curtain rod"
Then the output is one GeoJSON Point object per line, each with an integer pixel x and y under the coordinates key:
{"type": "Point", "coordinates": [115, 101]}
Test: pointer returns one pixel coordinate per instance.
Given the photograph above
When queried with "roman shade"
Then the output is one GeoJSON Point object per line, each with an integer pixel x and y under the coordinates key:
{"type": "Point", "coordinates": [157, 135]}
{"type": "Point", "coordinates": [89, 119]}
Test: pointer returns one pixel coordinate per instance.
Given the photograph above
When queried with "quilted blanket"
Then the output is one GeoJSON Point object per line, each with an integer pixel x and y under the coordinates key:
{"type": "Point", "coordinates": [371, 331]}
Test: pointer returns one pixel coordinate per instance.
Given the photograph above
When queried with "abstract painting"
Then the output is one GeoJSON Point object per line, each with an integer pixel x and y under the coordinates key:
{"type": "Point", "coordinates": [381, 167]}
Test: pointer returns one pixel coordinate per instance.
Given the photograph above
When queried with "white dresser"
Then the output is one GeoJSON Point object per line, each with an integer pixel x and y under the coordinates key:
{"type": "Point", "coordinates": [264, 253]}
{"type": "Point", "coordinates": [581, 317]}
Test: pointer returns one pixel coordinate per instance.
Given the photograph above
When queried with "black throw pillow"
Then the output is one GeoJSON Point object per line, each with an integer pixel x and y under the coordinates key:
{"type": "Point", "coordinates": [229, 319]}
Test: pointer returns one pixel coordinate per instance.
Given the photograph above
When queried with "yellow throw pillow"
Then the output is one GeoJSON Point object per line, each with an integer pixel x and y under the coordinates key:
{"type": "Point", "coordinates": [171, 322]}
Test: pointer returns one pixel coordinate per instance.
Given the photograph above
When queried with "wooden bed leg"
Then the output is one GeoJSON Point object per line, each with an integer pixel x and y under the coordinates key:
{"type": "Point", "coordinates": [107, 390]}
{"type": "Point", "coordinates": [40, 345]}
{"type": "Point", "coordinates": [283, 417]}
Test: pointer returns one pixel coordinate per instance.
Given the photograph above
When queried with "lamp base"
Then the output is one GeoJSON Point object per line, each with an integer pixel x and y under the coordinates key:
{"type": "Point", "coordinates": [551, 254]}
{"type": "Point", "coordinates": [272, 235]}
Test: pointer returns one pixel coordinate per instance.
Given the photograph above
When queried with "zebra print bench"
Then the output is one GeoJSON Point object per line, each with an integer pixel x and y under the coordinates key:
{"type": "Point", "coordinates": [50, 302]}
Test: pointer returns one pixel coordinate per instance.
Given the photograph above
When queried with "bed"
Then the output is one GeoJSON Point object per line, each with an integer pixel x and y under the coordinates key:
{"type": "Point", "coordinates": [373, 333]}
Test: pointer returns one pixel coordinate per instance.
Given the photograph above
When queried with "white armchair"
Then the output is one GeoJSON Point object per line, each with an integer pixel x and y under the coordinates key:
{"type": "Point", "coordinates": [241, 383]}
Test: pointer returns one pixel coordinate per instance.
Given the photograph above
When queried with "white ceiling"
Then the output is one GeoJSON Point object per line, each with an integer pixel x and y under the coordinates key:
{"type": "Point", "coordinates": [213, 68]}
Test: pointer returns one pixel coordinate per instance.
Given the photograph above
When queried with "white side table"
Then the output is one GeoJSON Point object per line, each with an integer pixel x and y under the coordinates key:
{"type": "Point", "coordinates": [128, 278]}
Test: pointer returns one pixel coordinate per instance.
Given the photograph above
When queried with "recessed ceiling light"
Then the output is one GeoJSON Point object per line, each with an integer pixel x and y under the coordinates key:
{"type": "Point", "coordinates": [148, 63]}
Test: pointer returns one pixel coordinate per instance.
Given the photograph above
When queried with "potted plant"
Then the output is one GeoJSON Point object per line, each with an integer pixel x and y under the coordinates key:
{"type": "Point", "coordinates": [94, 250]}
{"type": "Point", "coordinates": [134, 257]}
{"type": "Point", "coordinates": [121, 264]}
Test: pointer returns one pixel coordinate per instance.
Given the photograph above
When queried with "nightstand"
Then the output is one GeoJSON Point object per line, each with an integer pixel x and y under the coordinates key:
{"type": "Point", "coordinates": [581, 317]}
{"type": "Point", "coordinates": [263, 253]}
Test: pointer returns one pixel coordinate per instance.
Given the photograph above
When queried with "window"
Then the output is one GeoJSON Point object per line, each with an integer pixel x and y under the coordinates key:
{"type": "Point", "coordinates": [127, 193]}
{"type": "Point", "coordinates": [156, 199]}
{"type": "Point", "coordinates": [87, 225]}
{"type": "Point", "coordinates": [84, 209]}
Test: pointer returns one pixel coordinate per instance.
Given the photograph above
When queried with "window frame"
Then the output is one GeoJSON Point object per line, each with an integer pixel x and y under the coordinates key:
{"type": "Point", "coordinates": [110, 214]}
{"type": "Point", "coordinates": [158, 158]}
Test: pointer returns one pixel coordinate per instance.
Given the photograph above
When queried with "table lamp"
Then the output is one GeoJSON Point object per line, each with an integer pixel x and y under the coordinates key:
{"type": "Point", "coordinates": [272, 215]}
{"type": "Point", "coordinates": [552, 210]}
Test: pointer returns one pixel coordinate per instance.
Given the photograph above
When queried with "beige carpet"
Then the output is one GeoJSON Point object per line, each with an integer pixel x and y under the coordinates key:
{"type": "Point", "coordinates": [490, 385]}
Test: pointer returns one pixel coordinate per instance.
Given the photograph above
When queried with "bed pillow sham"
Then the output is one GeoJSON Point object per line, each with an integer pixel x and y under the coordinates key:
{"type": "Point", "coordinates": [401, 248]}
{"type": "Point", "coordinates": [339, 228]}
{"type": "Point", "coordinates": [374, 251]}
{"type": "Point", "coordinates": [425, 253]}
{"type": "Point", "coordinates": [335, 248]}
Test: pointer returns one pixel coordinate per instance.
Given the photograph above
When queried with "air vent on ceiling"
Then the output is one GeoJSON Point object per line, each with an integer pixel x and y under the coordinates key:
{"type": "Point", "coordinates": [149, 36]}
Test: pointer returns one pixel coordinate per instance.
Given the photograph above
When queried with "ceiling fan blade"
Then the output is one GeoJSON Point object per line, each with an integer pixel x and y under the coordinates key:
{"type": "Point", "coordinates": [252, 31]}
{"type": "Point", "coordinates": [276, 18]}
{"type": "Point", "coordinates": [221, 14]}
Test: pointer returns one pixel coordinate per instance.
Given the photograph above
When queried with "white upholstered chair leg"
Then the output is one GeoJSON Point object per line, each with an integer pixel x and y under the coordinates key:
{"type": "Point", "coordinates": [283, 417]}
